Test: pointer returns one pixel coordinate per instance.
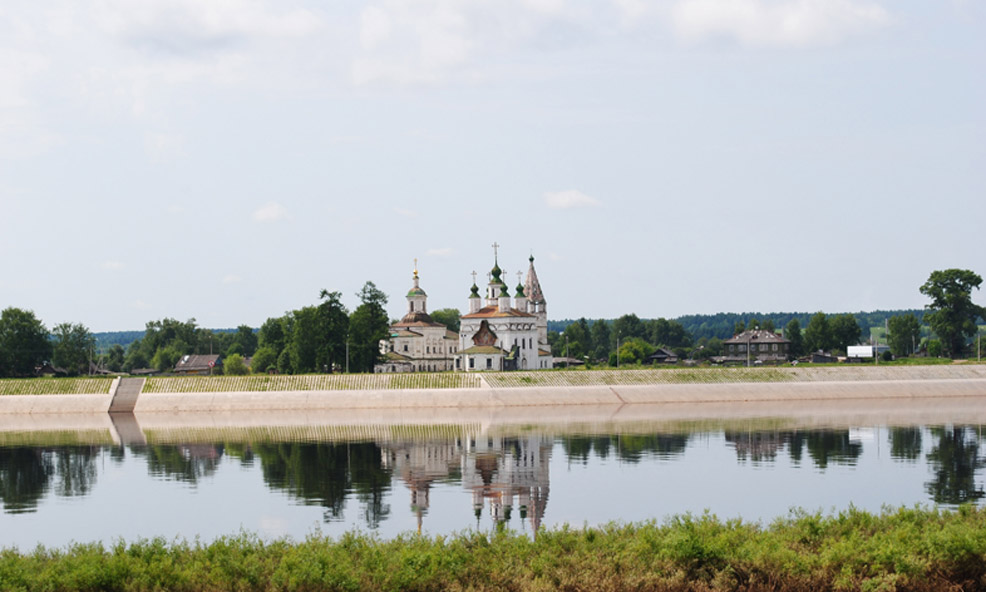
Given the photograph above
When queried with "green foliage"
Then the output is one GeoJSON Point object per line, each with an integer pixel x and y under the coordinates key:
{"type": "Point", "coordinates": [887, 356]}
{"type": "Point", "coordinates": [73, 348]}
{"type": "Point", "coordinates": [818, 334]}
{"type": "Point", "coordinates": [905, 334]}
{"type": "Point", "coordinates": [845, 331]}
{"type": "Point", "coordinates": [165, 358]}
{"type": "Point", "coordinates": [264, 360]}
{"type": "Point", "coordinates": [952, 313]}
{"type": "Point", "coordinates": [792, 332]}
{"type": "Point", "coordinates": [367, 326]}
{"type": "Point", "coordinates": [450, 317]}
{"type": "Point", "coordinates": [911, 549]}
{"type": "Point", "coordinates": [115, 357]}
{"type": "Point", "coordinates": [935, 348]}
{"type": "Point", "coordinates": [634, 351]}
{"type": "Point", "coordinates": [244, 340]}
{"type": "Point", "coordinates": [274, 334]}
{"type": "Point", "coordinates": [24, 343]}
{"type": "Point", "coordinates": [234, 365]}
{"type": "Point", "coordinates": [600, 336]}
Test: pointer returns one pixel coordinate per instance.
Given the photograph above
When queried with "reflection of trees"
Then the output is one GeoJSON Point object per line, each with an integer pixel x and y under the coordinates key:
{"type": "Point", "coordinates": [629, 448]}
{"type": "Point", "coordinates": [954, 460]}
{"type": "Point", "coordinates": [905, 443]}
{"type": "Point", "coordinates": [186, 463]}
{"type": "Point", "coordinates": [76, 471]}
{"type": "Point", "coordinates": [826, 446]}
{"type": "Point", "coordinates": [323, 474]}
{"type": "Point", "coordinates": [26, 474]}
{"type": "Point", "coordinates": [24, 477]}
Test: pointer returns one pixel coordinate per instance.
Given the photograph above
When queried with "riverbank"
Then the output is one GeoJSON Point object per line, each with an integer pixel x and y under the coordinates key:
{"type": "Point", "coordinates": [904, 549]}
{"type": "Point", "coordinates": [516, 389]}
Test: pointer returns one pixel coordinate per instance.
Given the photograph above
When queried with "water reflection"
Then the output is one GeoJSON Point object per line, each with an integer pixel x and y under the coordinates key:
{"type": "Point", "coordinates": [505, 473]}
{"type": "Point", "coordinates": [954, 461]}
{"type": "Point", "coordinates": [501, 473]}
{"type": "Point", "coordinates": [324, 475]}
{"type": "Point", "coordinates": [28, 474]}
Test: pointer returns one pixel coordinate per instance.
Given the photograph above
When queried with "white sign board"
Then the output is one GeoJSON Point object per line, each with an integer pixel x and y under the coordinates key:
{"type": "Point", "coordinates": [860, 351]}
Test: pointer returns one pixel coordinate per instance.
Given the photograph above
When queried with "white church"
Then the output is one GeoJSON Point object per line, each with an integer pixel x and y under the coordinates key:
{"type": "Point", "coordinates": [498, 332]}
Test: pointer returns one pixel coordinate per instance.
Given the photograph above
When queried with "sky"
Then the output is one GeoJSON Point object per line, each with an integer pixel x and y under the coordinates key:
{"type": "Point", "coordinates": [227, 160]}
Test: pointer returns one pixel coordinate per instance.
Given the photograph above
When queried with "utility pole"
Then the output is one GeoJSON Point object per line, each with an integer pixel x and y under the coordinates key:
{"type": "Point", "coordinates": [347, 355]}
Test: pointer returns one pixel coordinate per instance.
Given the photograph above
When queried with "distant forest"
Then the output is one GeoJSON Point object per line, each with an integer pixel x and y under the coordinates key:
{"type": "Point", "coordinates": [721, 325]}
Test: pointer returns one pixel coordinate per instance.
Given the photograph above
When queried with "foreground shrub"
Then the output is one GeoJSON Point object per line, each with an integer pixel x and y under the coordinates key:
{"type": "Point", "coordinates": [905, 549]}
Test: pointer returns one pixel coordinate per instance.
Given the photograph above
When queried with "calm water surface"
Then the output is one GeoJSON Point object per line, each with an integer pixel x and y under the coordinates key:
{"type": "Point", "coordinates": [444, 479]}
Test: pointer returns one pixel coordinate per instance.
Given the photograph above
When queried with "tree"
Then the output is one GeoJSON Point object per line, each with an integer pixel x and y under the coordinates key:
{"type": "Point", "coordinates": [274, 333]}
{"type": "Point", "coordinates": [845, 331]}
{"type": "Point", "coordinates": [450, 317]}
{"type": "Point", "coordinates": [115, 358]}
{"type": "Point", "coordinates": [333, 325]}
{"type": "Point", "coordinates": [905, 334]}
{"type": "Point", "coordinates": [632, 351]}
{"type": "Point", "coordinates": [305, 341]}
{"type": "Point", "coordinates": [792, 332]}
{"type": "Point", "coordinates": [264, 359]}
{"type": "Point", "coordinates": [73, 348]}
{"type": "Point", "coordinates": [599, 331]}
{"type": "Point", "coordinates": [234, 365]}
{"type": "Point", "coordinates": [24, 342]}
{"type": "Point", "coordinates": [818, 333]}
{"type": "Point", "coordinates": [367, 326]}
{"type": "Point", "coordinates": [738, 328]}
{"type": "Point", "coordinates": [768, 325]}
{"type": "Point", "coordinates": [245, 341]}
{"type": "Point", "coordinates": [627, 326]}
{"type": "Point", "coordinates": [952, 313]}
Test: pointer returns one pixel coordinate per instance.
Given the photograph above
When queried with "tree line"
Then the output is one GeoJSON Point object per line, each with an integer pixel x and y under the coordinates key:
{"type": "Point", "coordinates": [326, 337]}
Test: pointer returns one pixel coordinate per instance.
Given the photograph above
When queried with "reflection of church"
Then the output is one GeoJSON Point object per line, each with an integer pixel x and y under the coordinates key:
{"type": "Point", "coordinates": [507, 473]}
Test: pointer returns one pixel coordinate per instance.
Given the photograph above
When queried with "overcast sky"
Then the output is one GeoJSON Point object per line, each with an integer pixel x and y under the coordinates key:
{"type": "Point", "coordinates": [226, 160]}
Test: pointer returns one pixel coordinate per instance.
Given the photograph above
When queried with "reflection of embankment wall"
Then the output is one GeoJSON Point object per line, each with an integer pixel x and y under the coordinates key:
{"type": "Point", "coordinates": [670, 386]}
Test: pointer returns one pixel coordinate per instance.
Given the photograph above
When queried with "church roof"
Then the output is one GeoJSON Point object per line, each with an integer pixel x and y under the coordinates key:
{"type": "Point", "coordinates": [417, 319]}
{"type": "Point", "coordinates": [396, 332]}
{"type": "Point", "coordinates": [489, 312]}
{"type": "Point", "coordinates": [451, 335]}
{"type": "Point", "coordinates": [532, 287]}
{"type": "Point", "coordinates": [484, 349]}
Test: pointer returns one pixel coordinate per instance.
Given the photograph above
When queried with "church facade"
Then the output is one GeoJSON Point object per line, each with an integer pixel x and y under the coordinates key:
{"type": "Point", "coordinates": [500, 333]}
{"type": "Point", "coordinates": [417, 343]}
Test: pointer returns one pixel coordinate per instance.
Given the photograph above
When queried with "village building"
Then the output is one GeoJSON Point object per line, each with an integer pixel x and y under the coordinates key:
{"type": "Point", "coordinates": [417, 343]}
{"type": "Point", "coordinates": [755, 346]}
{"type": "Point", "coordinates": [500, 333]}
{"type": "Point", "coordinates": [199, 364]}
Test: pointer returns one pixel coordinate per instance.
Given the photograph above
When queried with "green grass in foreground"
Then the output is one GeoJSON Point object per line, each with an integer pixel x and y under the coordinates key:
{"type": "Point", "coordinates": [904, 549]}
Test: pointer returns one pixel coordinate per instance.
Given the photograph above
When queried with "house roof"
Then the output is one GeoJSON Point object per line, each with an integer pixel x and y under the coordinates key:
{"type": "Point", "coordinates": [451, 335]}
{"type": "Point", "coordinates": [489, 312]}
{"type": "Point", "coordinates": [197, 362]}
{"type": "Point", "coordinates": [757, 335]}
{"type": "Point", "coordinates": [403, 332]}
{"type": "Point", "coordinates": [484, 349]}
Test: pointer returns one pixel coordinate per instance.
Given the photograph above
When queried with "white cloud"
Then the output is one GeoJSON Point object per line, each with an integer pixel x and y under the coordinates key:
{"type": "Point", "coordinates": [443, 252]}
{"type": "Point", "coordinates": [270, 212]}
{"type": "Point", "coordinates": [785, 23]}
{"type": "Point", "coordinates": [405, 212]}
{"type": "Point", "coordinates": [141, 305]}
{"type": "Point", "coordinates": [566, 200]}
{"type": "Point", "coordinates": [232, 279]}
{"type": "Point", "coordinates": [113, 266]}
{"type": "Point", "coordinates": [163, 146]}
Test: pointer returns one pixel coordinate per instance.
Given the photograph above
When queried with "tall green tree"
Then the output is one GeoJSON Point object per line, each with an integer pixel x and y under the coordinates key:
{"type": "Point", "coordinates": [627, 326]}
{"type": "Point", "coordinates": [952, 314]}
{"type": "Point", "coordinates": [306, 340]}
{"type": "Point", "coordinates": [792, 332]}
{"type": "Point", "coordinates": [73, 348]}
{"type": "Point", "coordinates": [845, 331]}
{"type": "Point", "coordinates": [245, 341]}
{"type": "Point", "coordinates": [24, 343]}
{"type": "Point", "coordinates": [264, 359]}
{"type": "Point", "coordinates": [450, 317]}
{"type": "Point", "coordinates": [275, 333]}
{"type": "Point", "coordinates": [905, 334]}
{"type": "Point", "coordinates": [600, 339]}
{"type": "Point", "coordinates": [115, 357]}
{"type": "Point", "coordinates": [333, 326]}
{"type": "Point", "coordinates": [818, 333]}
{"type": "Point", "coordinates": [367, 326]}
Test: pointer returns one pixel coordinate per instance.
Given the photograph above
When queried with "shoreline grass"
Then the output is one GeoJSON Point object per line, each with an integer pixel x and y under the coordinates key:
{"type": "Point", "coordinates": [905, 549]}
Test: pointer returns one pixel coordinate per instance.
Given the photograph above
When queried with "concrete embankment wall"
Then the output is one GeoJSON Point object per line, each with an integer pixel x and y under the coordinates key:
{"type": "Point", "coordinates": [550, 389]}
{"type": "Point", "coordinates": [553, 396]}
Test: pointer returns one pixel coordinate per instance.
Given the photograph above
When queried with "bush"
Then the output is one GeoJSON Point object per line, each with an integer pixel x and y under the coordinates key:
{"type": "Point", "coordinates": [887, 356]}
